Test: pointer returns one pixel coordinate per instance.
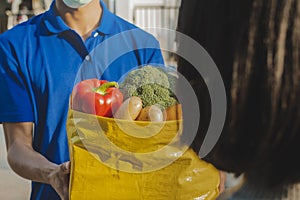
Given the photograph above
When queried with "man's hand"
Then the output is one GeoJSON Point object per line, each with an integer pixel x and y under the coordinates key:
{"type": "Point", "coordinates": [59, 180]}
{"type": "Point", "coordinates": [29, 164]}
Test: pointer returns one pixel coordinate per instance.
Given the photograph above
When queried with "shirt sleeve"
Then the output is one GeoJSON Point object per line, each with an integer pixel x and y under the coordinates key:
{"type": "Point", "coordinates": [15, 101]}
{"type": "Point", "coordinates": [155, 55]}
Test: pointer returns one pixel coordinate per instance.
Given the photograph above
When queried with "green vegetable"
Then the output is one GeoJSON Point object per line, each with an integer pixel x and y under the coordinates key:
{"type": "Point", "coordinates": [154, 94]}
{"type": "Point", "coordinates": [151, 84]}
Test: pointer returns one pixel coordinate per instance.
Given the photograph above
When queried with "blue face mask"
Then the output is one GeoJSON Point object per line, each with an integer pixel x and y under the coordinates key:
{"type": "Point", "coordinates": [76, 3]}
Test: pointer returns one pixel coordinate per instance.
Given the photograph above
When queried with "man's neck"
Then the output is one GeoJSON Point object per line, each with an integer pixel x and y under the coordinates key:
{"type": "Point", "coordinates": [84, 19]}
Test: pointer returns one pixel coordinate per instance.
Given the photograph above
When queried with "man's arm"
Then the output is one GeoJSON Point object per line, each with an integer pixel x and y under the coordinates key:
{"type": "Point", "coordinates": [28, 163]}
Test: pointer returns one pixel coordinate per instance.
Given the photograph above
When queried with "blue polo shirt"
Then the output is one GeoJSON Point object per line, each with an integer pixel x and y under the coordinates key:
{"type": "Point", "coordinates": [42, 59]}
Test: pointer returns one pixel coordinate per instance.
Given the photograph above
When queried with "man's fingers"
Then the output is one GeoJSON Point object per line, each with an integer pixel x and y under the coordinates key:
{"type": "Point", "coordinates": [66, 167]}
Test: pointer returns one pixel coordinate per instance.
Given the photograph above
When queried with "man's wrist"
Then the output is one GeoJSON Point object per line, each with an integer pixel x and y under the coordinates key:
{"type": "Point", "coordinates": [47, 171]}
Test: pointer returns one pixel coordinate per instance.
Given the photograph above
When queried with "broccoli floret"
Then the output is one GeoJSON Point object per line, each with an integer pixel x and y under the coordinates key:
{"type": "Point", "coordinates": [155, 94]}
{"type": "Point", "coordinates": [151, 84]}
{"type": "Point", "coordinates": [172, 77]}
{"type": "Point", "coordinates": [143, 76]}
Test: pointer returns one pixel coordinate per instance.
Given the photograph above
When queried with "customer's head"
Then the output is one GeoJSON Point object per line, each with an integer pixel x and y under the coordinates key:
{"type": "Point", "coordinates": [256, 46]}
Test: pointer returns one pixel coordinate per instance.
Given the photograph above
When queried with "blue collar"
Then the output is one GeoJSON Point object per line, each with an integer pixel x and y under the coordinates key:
{"type": "Point", "coordinates": [55, 24]}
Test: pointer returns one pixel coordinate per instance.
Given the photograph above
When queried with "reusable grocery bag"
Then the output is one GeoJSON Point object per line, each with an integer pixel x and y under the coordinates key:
{"type": "Point", "coordinates": [113, 159]}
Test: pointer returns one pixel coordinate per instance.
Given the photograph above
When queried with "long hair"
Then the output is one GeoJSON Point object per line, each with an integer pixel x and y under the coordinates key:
{"type": "Point", "coordinates": [256, 46]}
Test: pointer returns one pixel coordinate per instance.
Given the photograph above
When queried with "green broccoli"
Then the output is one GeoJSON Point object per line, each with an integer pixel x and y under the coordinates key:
{"type": "Point", "coordinates": [151, 84]}
{"type": "Point", "coordinates": [155, 94]}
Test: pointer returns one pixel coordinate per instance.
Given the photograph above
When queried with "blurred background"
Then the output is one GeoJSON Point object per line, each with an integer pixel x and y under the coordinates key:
{"type": "Point", "coordinates": [143, 13]}
{"type": "Point", "coordinates": [12, 186]}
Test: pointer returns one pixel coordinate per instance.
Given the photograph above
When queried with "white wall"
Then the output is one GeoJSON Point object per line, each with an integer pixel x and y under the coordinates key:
{"type": "Point", "coordinates": [148, 2]}
{"type": "Point", "coordinates": [124, 8]}
{"type": "Point", "coordinates": [3, 162]}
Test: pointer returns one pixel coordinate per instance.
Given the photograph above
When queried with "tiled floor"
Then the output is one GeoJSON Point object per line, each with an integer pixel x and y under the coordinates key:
{"type": "Point", "coordinates": [12, 186]}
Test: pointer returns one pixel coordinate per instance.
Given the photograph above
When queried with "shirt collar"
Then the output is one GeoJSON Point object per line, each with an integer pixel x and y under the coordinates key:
{"type": "Point", "coordinates": [55, 24]}
{"type": "Point", "coordinates": [107, 22]}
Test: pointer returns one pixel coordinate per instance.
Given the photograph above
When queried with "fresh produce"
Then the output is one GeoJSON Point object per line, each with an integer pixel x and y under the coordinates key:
{"type": "Point", "coordinates": [98, 97]}
{"type": "Point", "coordinates": [173, 112]}
{"type": "Point", "coordinates": [147, 90]}
{"type": "Point", "coordinates": [154, 94]}
{"type": "Point", "coordinates": [151, 113]}
{"type": "Point", "coordinates": [143, 76]}
{"type": "Point", "coordinates": [151, 84]}
{"type": "Point", "coordinates": [130, 109]}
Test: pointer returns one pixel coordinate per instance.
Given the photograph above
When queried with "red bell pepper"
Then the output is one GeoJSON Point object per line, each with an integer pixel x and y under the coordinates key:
{"type": "Point", "coordinates": [98, 97]}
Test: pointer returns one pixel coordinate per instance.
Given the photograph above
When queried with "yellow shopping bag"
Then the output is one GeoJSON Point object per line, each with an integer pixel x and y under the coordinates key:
{"type": "Point", "coordinates": [124, 160]}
